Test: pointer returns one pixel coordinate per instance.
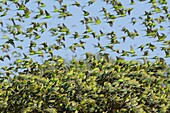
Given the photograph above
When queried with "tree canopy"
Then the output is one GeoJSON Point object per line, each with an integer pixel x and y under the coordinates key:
{"type": "Point", "coordinates": [84, 56]}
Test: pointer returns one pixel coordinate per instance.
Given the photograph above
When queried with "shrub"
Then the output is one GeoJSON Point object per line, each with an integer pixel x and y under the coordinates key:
{"type": "Point", "coordinates": [93, 85]}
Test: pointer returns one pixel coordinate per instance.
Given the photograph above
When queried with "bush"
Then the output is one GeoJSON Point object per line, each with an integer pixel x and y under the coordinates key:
{"type": "Point", "coordinates": [91, 85]}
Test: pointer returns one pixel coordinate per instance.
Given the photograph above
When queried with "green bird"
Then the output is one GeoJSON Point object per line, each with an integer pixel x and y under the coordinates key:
{"type": "Point", "coordinates": [1, 58]}
{"type": "Point", "coordinates": [146, 53]}
{"type": "Point", "coordinates": [124, 38]}
{"type": "Point", "coordinates": [132, 50]}
{"type": "Point", "coordinates": [94, 34]}
{"type": "Point", "coordinates": [26, 13]}
{"type": "Point", "coordinates": [110, 22]}
{"type": "Point", "coordinates": [47, 15]}
{"type": "Point", "coordinates": [37, 36]}
{"type": "Point", "coordinates": [1, 23]}
{"type": "Point", "coordinates": [133, 20]}
{"type": "Point", "coordinates": [7, 56]}
{"type": "Point", "coordinates": [129, 10]}
{"type": "Point", "coordinates": [20, 47]}
{"type": "Point", "coordinates": [12, 19]}
{"type": "Point", "coordinates": [124, 53]}
{"type": "Point", "coordinates": [161, 37]}
{"type": "Point", "coordinates": [44, 44]}
{"type": "Point", "coordinates": [103, 10]}
{"type": "Point", "coordinates": [72, 48]}
{"type": "Point", "coordinates": [60, 1]}
{"type": "Point", "coordinates": [76, 35]}
{"type": "Point", "coordinates": [85, 36]}
{"type": "Point", "coordinates": [26, 1]}
{"type": "Point", "coordinates": [97, 20]}
{"type": "Point", "coordinates": [32, 52]}
{"type": "Point", "coordinates": [88, 29]}
{"type": "Point", "coordinates": [167, 53]}
{"type": "Point", "coordinates": [25, 56]}
{"type": "Point", "coordinates": [91, 2]}
{"type": "Point", "coordinates": [32, 44]}
{"type": "Point", "coordinates": [132, 2]}
{"type": "Point", "coordinates": [100, 47]}
{"type": "Point", "coordinates": [167, 42]}
{"type": "Point", "coordinates": [110, 46]}
{"type": "Point", "coordinates": [85, 13]}
{"type": "Point", "coordinates": [151, 46]}
{"type": "Point", "coordinates": [11, 41]}
{"type": "Point", "coordinates": [165, 8]}
{"type": "Point", "coordinates": [41, 12]}
{"type": "Point", "coordinates": [20, 6]}
{"type": "Point", "coordinates": [76, 4]}
{"type": "Point", "coordinates": [55, 9]}
{"type": "Point", "coordinates": [4, 14]}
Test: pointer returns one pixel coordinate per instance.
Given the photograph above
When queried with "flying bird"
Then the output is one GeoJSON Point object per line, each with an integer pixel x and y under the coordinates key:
{"type": "Point", "coordinates": [60, 1]}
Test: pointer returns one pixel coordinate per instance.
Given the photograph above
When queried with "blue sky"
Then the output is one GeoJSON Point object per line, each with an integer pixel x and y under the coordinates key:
{"type": "Point", "coordinates": [73, 23]}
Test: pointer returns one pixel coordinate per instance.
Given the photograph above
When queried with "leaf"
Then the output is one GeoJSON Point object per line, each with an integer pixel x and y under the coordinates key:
{"type": "Point", "coordinates": [121, 80]}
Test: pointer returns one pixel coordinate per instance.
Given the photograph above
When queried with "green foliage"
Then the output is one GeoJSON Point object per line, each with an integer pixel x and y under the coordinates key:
{"type": "Point", "coordinates": [36, 30]}
{"type": "Point", "coordinates": [93, 85]}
